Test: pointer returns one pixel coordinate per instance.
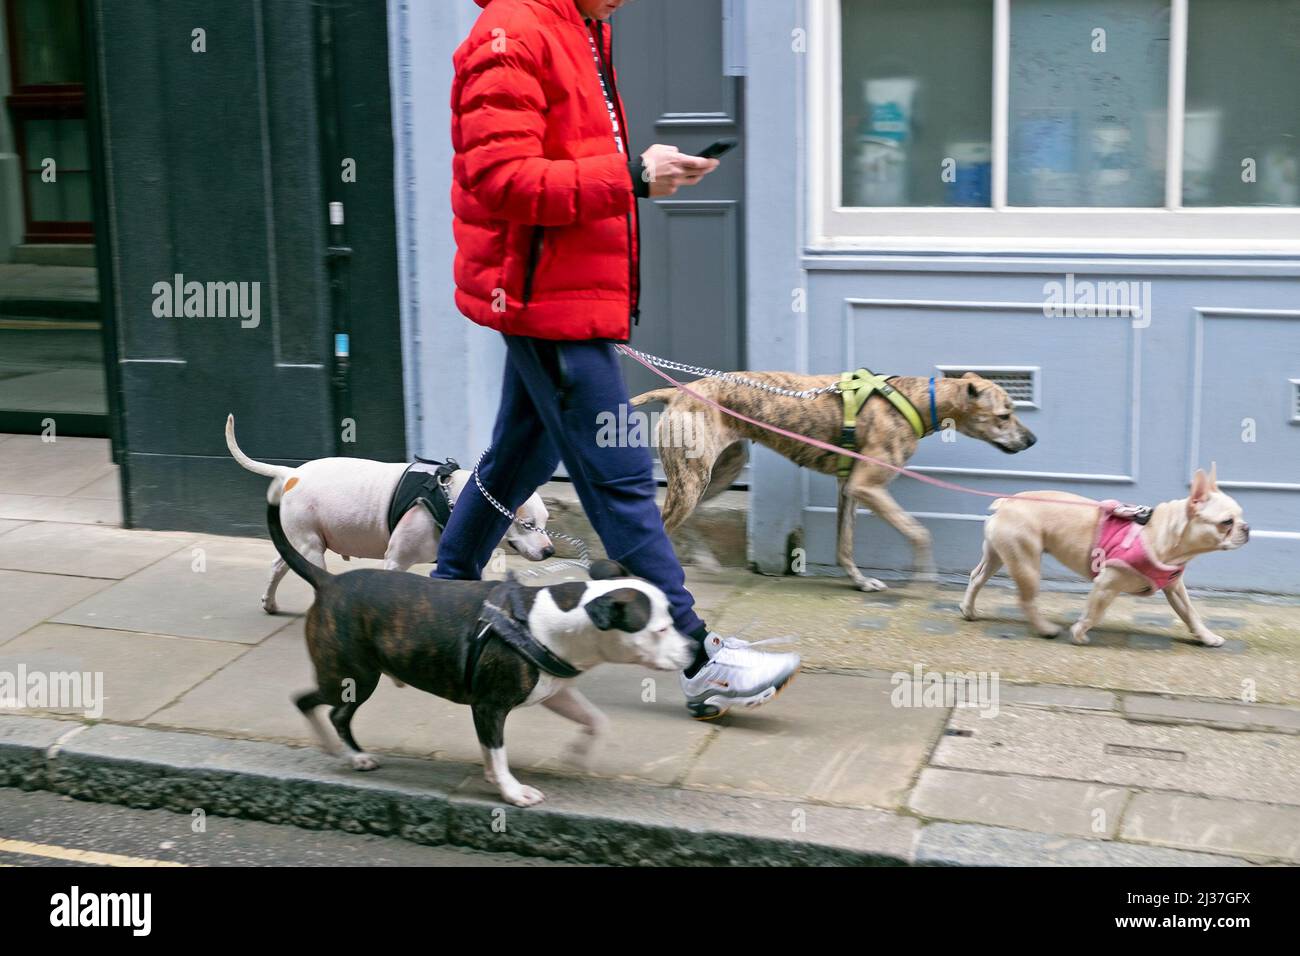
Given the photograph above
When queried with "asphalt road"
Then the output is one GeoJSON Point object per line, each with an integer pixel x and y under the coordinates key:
{"type": "Point", "coordinates": [45, 829]}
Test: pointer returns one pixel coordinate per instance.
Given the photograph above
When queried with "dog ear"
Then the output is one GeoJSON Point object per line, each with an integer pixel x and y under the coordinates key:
{"type": "Point", "coordinates": [602, 569]}
{"type": "Point", "coordinates": [624, 609]}
{"type": "Point", "coordinates": [972, 392]}
{"type": "Point", "coordinates": [1214, 476]}
{"type": "Point", "coordinates": [1200, 492]}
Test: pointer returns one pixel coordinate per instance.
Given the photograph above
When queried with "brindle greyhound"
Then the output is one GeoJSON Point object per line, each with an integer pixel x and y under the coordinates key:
{"type": "Point", "coordinates": [710, 460]}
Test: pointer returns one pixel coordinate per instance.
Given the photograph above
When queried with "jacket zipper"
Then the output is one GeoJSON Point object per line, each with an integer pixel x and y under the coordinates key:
{"type": "Point", "coordinates": [633, 272]}
{"type": "Point", "coordinates": [534, 256]}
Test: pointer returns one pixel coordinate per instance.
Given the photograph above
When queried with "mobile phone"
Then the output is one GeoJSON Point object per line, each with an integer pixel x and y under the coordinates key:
{"type": "Point", "coordinates": [716, 149]}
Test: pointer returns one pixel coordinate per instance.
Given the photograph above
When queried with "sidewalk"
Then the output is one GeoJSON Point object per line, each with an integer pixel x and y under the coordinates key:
{"type": "Point", "coordinates": [1136, 750]}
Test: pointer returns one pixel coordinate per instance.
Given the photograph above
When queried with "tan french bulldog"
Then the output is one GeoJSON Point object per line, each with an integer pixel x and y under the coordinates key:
{"type": "Point", "coordinates": [1124, 550]}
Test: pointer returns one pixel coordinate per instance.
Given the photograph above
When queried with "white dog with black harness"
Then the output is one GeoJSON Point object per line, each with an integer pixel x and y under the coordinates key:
{"type": "Point", "coordinates": [360, 508]}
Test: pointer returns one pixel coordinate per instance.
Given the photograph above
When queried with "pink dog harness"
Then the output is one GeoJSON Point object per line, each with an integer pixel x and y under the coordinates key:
{"type": "Point", "coordinates": [1119, 542]}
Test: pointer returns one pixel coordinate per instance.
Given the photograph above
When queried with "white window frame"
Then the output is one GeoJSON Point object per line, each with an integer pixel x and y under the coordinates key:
{"type": "Point", "coordinates": [1173, 229]}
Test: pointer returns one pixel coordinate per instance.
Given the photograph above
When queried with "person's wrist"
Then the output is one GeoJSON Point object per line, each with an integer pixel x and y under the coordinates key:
{"type": "Point", "coordinates": [640, 182]}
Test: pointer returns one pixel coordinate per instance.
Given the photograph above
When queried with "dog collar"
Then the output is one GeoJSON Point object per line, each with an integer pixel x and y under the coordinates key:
{"type": "Point", "coordinates": [502, 617]}
{"type": "Point", "coordinates": [934, 410]}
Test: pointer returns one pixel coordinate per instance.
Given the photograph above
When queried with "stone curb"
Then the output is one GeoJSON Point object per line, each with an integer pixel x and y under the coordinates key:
{"type": "Point", "coordinates": [441, 802]}
{"type": "Point", "coordinates": [437, 802]}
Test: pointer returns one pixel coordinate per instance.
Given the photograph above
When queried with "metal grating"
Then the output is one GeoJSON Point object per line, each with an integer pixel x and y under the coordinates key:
{"type": "Point", "coordinates": [1021, 384]}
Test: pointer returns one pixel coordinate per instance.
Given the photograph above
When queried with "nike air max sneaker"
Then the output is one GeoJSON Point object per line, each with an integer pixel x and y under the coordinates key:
{"type": "Point", "coordinates": [736, 675]}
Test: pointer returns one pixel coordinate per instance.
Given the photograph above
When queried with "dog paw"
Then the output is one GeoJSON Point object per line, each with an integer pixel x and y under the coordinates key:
{"type": "Point", "coordinates": [364, 762]}
{"type": "Point", "coordinates": [968, 612]}
{"type": "Point", "coordinates": [872, 584]}
{"type": "Point", "coordinates": [577, 755]}
{"type": "Point", "coordinates": [270, 607]}
{"type": "Point", "coordinates": [1078, 636]}
{"type": "Point", "coordinates": [522, 795]}
{"type": "Point", "coordinates": [1210, 639]}
{"type": "Point", "coordinates": [1053, 630]}
{"type": "Point", "coordinates": [704, 560]}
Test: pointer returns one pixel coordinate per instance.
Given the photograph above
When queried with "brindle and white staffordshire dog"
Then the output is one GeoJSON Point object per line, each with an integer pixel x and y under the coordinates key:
{"type": "Point", "coordinates": [975, 407]}
{"type": "Point", "coordinates": [1135, 561]}
{"type": "Point", "coordinates": [448, 638]}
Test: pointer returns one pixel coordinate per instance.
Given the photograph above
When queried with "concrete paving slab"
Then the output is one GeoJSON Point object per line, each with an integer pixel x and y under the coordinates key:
{"type": "Point", "coordinates": [1068, 807]}
{"type": "Point", "coordinates": [107, 486]}
{"type": "Point", "coordinates": [1109, 749]}
{"type": "Point", "coordinates": [647, 741]}
{"type": "Point", "coordinates": [28, 599]}
{"type": "Point", "coordinates": [221, 602]}
{"type": "Point", "coordinates": [85, 551]}
{"type": "Point", "coordinates": [824, 613]}
{"type": "Point", "coordinates": [1227, 826]}
{"type": "Point", "coordinates": [1047, 695]}
{"type": "Point", "coordinates": [68, 509]}
{"type": "Point", "coordinates": [1217, 713]}
{"type": "Point", "coordinates": [31, 466]}
{"type": "Point", "coordinates": [141, 672]}
{"type": "Point", "coordinates": [961, 844]}
{"type": "Point", "coordinates": [830, 738]}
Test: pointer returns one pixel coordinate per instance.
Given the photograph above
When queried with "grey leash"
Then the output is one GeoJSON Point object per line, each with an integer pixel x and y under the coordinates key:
{"type": "Point", "coordinates": [733, 377]}
{"type": "Point", "coordinates": [583, 559]}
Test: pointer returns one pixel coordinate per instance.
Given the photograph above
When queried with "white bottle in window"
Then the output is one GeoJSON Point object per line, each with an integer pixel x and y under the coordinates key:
{"type": "Point", "coordinates": [882, 151]}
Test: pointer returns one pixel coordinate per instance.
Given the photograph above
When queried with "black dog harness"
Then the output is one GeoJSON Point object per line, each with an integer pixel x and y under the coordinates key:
{"type": "Point", "coordinates": [503, 617]}
{"type": "Point", "coordinates": [423, 483]}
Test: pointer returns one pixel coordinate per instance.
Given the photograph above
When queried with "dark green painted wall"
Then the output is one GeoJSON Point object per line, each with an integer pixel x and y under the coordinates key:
{"type": "Point", "coordinates": [217, 165]}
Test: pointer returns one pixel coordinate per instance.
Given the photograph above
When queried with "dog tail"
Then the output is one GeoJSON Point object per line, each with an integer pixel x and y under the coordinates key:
{"type": "Point", "coordinates": [658, 395]}
{"type": "Point", "coordinates": [301, 566]}
{"type": "Point", "coordinates": [256, 467]}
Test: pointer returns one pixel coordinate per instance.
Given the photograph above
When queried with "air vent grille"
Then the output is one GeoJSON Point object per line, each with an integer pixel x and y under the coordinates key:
{"type": "Point", "coordinates": [1020, 383]}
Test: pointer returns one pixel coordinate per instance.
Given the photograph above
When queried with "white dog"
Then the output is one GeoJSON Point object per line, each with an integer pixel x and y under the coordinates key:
{"type": "Point", "coordinates": [1125, 550]}
{"type": "Point", "coordinates": [342, 505]}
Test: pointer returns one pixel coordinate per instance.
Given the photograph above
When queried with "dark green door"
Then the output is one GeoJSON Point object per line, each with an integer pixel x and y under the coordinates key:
{"type": "Point", "coordinates": [226, 129]}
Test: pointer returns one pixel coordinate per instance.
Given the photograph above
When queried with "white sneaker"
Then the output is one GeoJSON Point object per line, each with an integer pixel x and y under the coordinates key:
{"type": "Point", "coordinates": [736, 674]}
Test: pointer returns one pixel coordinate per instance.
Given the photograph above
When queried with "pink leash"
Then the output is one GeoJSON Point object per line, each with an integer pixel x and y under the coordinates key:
{"type": "Point", "coordinates": [827, 446]}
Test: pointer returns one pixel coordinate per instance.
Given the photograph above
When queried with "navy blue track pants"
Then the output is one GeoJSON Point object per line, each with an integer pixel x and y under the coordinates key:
{"type": "Point", "coordinates": [551, 405]}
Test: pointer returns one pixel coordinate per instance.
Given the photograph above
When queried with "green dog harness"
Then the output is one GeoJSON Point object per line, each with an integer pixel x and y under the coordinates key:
{"type": "Point", "coordinates": [857, 387]}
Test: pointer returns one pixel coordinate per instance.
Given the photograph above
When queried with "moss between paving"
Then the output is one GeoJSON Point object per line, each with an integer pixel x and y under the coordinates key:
{"type": "Point", "coordinates": [840, 628]}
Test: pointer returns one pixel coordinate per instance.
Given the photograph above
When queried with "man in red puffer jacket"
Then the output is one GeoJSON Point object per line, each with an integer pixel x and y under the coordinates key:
{"type": "Point", "coordinates": [544, 197]}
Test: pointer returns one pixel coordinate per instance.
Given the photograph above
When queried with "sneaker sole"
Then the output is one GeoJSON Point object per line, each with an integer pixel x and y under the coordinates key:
{"type": "Point", "coordinates": [748, 703]}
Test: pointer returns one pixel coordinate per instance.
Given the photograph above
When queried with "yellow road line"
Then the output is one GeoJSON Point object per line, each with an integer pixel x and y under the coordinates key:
{"type": "Point", "coordinates": [88, 857]}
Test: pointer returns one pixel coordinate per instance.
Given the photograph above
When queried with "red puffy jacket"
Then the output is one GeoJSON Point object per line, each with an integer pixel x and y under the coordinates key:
{"type": "Point", "coordinates": [543, 198]}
